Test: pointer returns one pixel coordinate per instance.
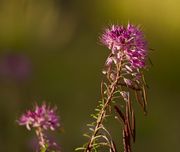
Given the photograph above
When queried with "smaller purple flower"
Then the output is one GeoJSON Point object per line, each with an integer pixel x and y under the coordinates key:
{"type": "Point", "coordinates": [43, 117]}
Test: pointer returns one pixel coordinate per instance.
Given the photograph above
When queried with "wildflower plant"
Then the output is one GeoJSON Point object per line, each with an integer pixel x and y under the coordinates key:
{"type": "Point", "coordinates": [41, 119]}
{"type": "Point", "coordinates": [122, 84]}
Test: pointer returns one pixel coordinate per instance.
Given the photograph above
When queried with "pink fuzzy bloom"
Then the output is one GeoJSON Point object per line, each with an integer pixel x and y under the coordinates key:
{"type": "Point", "coordinates": [42, 116]}
{"type": "Point", "coordinates": [126, 43]}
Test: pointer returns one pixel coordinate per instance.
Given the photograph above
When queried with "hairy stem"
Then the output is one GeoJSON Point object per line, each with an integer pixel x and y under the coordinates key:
{"type": "Point", "coordinates": [102, 113]}
{"type": "Point", "coordinates": [41, 138]}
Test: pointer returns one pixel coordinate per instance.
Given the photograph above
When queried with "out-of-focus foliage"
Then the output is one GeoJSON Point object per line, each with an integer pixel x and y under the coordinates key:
{"type": "Point", "coordinates": [49, 50]}
{"type": "Point", "coordinates": [33, 23]}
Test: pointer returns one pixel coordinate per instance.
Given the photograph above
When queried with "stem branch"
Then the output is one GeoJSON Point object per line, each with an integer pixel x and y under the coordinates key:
{"type": "Point", "coordinates": [102, 113]}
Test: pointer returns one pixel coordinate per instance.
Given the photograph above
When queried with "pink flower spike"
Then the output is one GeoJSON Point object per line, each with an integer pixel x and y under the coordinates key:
{"type": "Point", "coordinates": [43, 117]}
{"type": "Point", "coordinates": [128, 41]}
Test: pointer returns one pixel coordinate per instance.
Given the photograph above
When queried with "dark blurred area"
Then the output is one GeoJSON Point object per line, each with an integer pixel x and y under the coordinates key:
{"type": "Point", "coordinates": [49, 51]}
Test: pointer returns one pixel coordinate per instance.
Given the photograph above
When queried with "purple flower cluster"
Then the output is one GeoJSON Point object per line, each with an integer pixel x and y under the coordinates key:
{"type": "Point", "coordinates": [126, 43]}
{"type": "Point", "coordinates": [42, 117]}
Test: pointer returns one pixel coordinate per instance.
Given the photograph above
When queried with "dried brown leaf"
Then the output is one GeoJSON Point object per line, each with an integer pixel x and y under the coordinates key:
{"type": "Point", "coordinates": [133, 126]}
{"type": "Point", "coordinates": [121, 115]}
{"type": "Point", "coordinates": [140, 100]}
{"type": "Point", "coordinates": [126, 139]}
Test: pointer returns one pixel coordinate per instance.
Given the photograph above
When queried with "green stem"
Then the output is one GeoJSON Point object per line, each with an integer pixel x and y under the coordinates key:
{"type": "Point", "coordinates": [42, 141]}
{"type": "Point", "coordinates": [103, 110]}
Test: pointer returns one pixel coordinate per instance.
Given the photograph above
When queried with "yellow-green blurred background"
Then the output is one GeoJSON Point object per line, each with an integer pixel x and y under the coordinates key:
{"type": "Point", "coordinates": [49, 50]}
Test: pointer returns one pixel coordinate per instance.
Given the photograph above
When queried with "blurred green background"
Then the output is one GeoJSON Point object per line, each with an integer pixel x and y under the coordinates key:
{"type": "Point", "coordinates": [49, 50]}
